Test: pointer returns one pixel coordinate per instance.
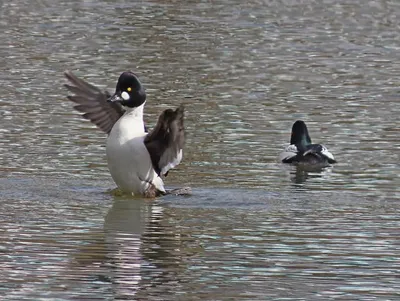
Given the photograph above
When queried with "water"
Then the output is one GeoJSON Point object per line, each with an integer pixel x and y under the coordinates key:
{"type": "Point", "coordinates": [253, 229]}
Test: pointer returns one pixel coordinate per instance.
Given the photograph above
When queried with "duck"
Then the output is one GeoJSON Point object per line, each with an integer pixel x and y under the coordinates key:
{"type": "Point", "coordinates": [137, 159]}
{"type": "Point", "coordinates": [302, 151]}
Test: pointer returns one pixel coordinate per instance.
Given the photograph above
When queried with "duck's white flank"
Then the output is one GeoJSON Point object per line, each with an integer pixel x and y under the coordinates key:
{"type": "Point", "coordinates": [289, 152]}
{"type": "Point", "coordinates": [128, 159]}
{"type": "Point", "coordinates": [327, 153]}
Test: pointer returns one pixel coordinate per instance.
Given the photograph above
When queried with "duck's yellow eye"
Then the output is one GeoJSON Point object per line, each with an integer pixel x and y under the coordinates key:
{"type": "Point", "coordinates": [129, 89]}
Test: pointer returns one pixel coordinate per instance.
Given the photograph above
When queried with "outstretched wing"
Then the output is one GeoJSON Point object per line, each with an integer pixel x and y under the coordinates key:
{"type": "Point", "coordinates": [91, 101]}
{"type": "Point", "coordinates": [165, 142]}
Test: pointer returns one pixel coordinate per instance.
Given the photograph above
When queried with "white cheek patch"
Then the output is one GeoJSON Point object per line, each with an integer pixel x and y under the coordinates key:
{"type": "Point", "coordinates": [125, 95]}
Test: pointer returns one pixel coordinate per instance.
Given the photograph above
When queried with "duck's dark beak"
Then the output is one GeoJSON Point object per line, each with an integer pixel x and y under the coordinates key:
{"type": "Point", "coordinates": [115, 98]}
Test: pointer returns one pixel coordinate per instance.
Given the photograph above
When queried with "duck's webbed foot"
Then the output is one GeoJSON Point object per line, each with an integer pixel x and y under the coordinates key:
{"type": "Point", "coordinates": [180, 191]}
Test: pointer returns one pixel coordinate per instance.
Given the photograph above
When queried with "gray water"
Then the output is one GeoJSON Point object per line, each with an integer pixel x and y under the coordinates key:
{"type": "Point", "coordinates": [253, 229]}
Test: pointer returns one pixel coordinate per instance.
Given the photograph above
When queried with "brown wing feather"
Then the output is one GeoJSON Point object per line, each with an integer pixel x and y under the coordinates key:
{"type": "Point", "coordinates": [93, 103]}
{"type": "Point", "coordinates": [165, 142]}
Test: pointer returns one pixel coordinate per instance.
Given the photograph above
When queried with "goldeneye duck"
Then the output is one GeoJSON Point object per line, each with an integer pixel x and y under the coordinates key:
{"type": "Point", "coordinates": [136, 159]}
{"type": "Point", "coordinates": [302, 151]}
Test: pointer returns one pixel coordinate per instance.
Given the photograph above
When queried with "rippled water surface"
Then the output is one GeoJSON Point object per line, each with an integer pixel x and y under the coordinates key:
{"type": "Point", "coordinates": [245, 70]}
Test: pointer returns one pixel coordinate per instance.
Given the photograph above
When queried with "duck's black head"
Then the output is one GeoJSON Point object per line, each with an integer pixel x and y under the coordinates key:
{"type": "Point", "coordinates": [129, 91]}
{"type": "Point", "coordinates": [300, 134]}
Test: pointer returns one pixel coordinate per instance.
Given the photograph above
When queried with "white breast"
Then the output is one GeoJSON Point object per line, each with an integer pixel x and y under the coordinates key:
{"type": "Point", "coordinates": [128, 159]}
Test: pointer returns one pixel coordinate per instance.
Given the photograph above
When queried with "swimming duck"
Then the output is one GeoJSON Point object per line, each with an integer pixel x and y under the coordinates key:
{"type": "Point", "coordinates": [302, 151]}
{"type": "Point", "coordinates": [137, 159]}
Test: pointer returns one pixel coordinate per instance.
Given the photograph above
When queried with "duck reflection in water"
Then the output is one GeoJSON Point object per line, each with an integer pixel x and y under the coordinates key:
{"type": "Point", "coordinates": [139, 249]}
{"type": "Point", "coordinates": [301, 173]}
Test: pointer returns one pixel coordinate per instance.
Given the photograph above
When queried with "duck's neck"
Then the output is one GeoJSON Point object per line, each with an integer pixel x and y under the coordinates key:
{"type": "Point", "coordinates": [300, 139]}
{"type": "Point", "coordinates": [305, 140]}
{"type": "Point", "coordinates": [131, 124]}
{"type": "Point", "coordinates": [135, 113]}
